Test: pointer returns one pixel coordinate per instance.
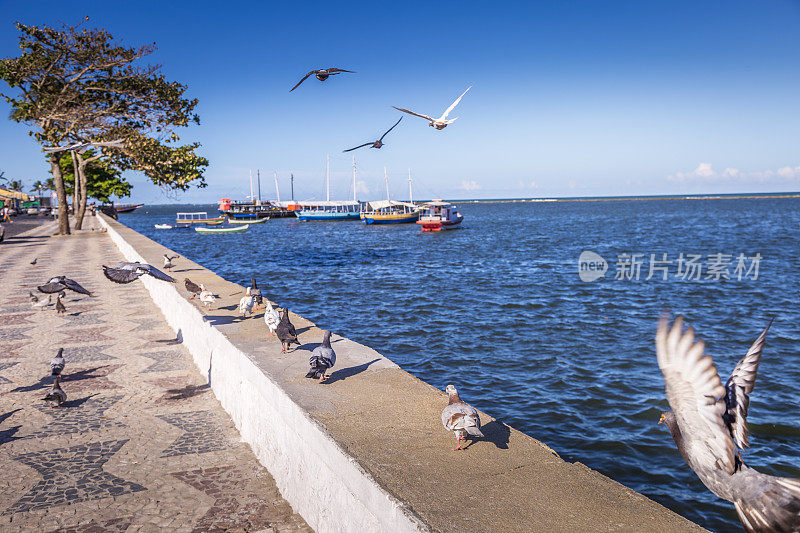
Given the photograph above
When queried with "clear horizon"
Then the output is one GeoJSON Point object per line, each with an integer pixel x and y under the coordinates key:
{"type": "Point", "coordinates": [582, 100]}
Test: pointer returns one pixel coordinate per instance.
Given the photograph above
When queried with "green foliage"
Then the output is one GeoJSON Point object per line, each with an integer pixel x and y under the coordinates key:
{"type": "Point", "coordinates": [102, 179]}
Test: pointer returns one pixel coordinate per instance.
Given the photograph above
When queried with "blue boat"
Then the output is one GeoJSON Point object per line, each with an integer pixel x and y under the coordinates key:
{"type": "Point", "coordinates": [329, 210]}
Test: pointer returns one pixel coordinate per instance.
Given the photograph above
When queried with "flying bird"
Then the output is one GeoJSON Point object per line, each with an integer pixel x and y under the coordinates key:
{"type": "Point", "coordinates": [34, 260]}
{"type": "Point", "coordinates": [255, 292]}
{"type": "Point", "coordinates": [708, 422]}
{"type": "Point", "coordinates": [322, 358]}
{"type": "Point", "coordinates": [460, 418]}
{"type": "Point", "coordinates": [56, 396]}
{"type": "Point", "coordinates": [441, 122]}
{"type": "Point", "coordinates": [193, 288]}
{"type": "Point", "coordinates": [168, 261]}
{"type": "Point", "coordinates": [60, 309]}
{"type": "Point", "coordinates": [246, 304]}
{"type": "Point", "coordinates": [375, 144]}
{"type": "Point", "coordinates": [57, 363]}
{"type": "Point", "coordinates": [286, 332]}
{"type": "Point", "coordinates": [125, 272]}
{"type": "Point", "coordinates": [321, 74]}
{"type": "Point", "coordinates": [40, 303]}
{"type": "Point", "coordinates": [60, 283]}
{"type": "Point", "coordinates": [271, 318]}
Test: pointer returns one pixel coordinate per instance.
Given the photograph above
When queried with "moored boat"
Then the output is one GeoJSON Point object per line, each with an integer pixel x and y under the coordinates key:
{"type": "Point", "coordinates": [127, 208]}
{"type": "Point", "coordinates": [390, 212]}
{"type": "Point", "coordinates": [438, 215]}
{"type": "Point", "coordinates": [200, 217]}
{"type": "Point", "coordinates": [329, 210]}
{"type": "Point", "coordinates": [247, 220]}
{"type": "Point", "coordinates": [236, 229]}
{"type": "Point", "coordinates": [162, 226]}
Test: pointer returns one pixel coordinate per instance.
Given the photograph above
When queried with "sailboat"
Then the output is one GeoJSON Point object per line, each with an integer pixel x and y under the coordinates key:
{"type": "Point", "coordinates": [331, 209]}
{"type": "Point", "coordinates": [391, 211]}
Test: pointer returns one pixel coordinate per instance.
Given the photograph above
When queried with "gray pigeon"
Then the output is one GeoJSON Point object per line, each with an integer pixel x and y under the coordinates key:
{"type": "Point", "coordinates": [255, 292]}
{"type": "Point", "coordinates": [127, 272]}
{"type": "Point", "coordinates": [57, 363]}
{"type": "Point", "coordinates": [708, 421]}
{"type": "Point", "coordinates": [56, 396]}
{"type": "Point", "coordinates": [193, 288]}
{"type": "Point", "coordinates": [286, 332]}
{"type": "Point", "coordinates": [60, 283]}
{"type": "Point", "coordinates": [321, 74]}
{"type": "Point", "coordinates": [460, 418]}
{"type": "Point", "coordinates": [322, 358]}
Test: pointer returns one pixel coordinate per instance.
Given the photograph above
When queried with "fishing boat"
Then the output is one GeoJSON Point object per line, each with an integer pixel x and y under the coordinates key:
{"type": "Point", "coordinates": [439, 215]}
{"type": "Point", "coordinates": [247, 220]}
{"type": "Point", "coordinates": [162, 226]}
{"type": "Point", "coordinates": [331, 209]}
{"type": "Point", "coordinates": [236, 229]}
{"type": "Point", "coordinates": [127, 208]}
{"type": "Point", "coordinates": [201, 217]}
{"type": "Point", "coordinates": [390, 211]}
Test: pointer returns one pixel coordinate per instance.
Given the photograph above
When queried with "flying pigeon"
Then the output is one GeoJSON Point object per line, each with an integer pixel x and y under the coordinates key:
{"type": "Point", "coordinates": [460, 418]}
{"type": "Point", "coordinates": [286, 332]}
{"type": "Point", "coordinates": [40, 303]}
{"type": "Point", "coordinates": [127, 272]}
{"type": "Point", "coordinates": [322, 358]}
{"type": "Point", "coordinates": [375, 144]}
{"type": "Point", "coordinates": [321, 74]}
{"type": "Point", "coordinates": [60, 309]}
{"type": "Point", "coordinates": [60, 283]}
{"type": "Point", "coordinates": [441, 122]}
{"type": "Point", "coordinates": [56, 396]}
{"type": "Point", "coordinates": [271, 318]}
{"type": "Point", "coordinates": [708, 422]}
{"type": "Point", "coordinates": [192, 287]}
{"type": "Point", "coordinates": [246, 304]}
{"type": "Point", "coordinates": [168, 261]}
{"type": "Point", "coordinates": [57, 363]}
{"type": "Point", "coordinates": [255, 292]}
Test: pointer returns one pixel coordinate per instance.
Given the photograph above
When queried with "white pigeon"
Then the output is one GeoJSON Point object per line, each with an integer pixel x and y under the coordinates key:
{"type": "Point", "coordinates": [40, 303]}
{"type": "Point", "coordinates": [441, 122]}
{"type": "Point", "coordinates": [271, 318]}
{"type": "Point", "coordinates": [168, 261]}
{"type": "Point", "coordinates": [207, 297]}
{"type": "Point", "coordinates": [246, 303]}
{"type": "Point", "coordinates": [460, 418]}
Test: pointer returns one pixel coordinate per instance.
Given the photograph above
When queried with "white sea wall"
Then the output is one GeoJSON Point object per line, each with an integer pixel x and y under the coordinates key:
{"type": "Point", "coordinates": [318, 478]}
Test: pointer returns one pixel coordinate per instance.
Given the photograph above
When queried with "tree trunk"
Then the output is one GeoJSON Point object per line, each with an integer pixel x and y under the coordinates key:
{"type": "Point", "coordinates": [81, 210]}
{"type": "Point", "coordinates": [61, 193]}
{"type": "Point", "coordinates": [75, 186]}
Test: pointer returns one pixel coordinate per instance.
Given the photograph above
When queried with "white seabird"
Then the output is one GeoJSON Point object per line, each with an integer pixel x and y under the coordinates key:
{"type": "Point", "coordinates": [460, 418]}
{"type": "Point", "coordinates": [441, 122]}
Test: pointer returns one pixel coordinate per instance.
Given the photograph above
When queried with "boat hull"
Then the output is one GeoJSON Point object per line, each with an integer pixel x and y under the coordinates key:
{"type": "Point", "coordinates": [397, 218]}
{"type": "Point", "coordinates": [127, 208]}
{"type": "Point", "coordinates": [309, 216]}
{"type": "Point", "coordinates": [222, 230]}
{"type": "Point", "coordinates": [247, 220]}
{"type": "Point", "coordinates": [208, 221]}
{"type": "Point", "coordinates": [438, 225]}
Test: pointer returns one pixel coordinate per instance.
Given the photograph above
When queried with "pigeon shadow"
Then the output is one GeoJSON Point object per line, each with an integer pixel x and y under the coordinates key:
{"type": "Point", "coordinates": [495, 432]}
{"type": "Point", "coordinates": [230, 307]}
{"type": "Point", "coordinates": [344, 373]}
{"type": "Point", "coordinates": [189, 391]}
{"type": "Point", "coordinates": [78, 401]}
{"type": "Point", "coordinates": [66, 378]}
{"type": "Point", "coordinates": [177, 340]}
{"type": "Point", "coordinates": [8, 414]}
{"type": "Point", "coordinates": [175, 270]}
{"type": "Point", "coordinates": [221, 320]}
{"type": "Point", "coordinates": [302, 330]}
{"type": "Point", "coordinates": [7, 435]}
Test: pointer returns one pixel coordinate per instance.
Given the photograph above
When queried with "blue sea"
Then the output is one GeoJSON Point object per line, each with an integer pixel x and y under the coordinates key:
{"type": "Point", "coordinates": [499, 309]}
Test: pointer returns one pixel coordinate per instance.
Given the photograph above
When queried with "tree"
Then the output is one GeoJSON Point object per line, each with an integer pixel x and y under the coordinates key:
{"type": "Point", "coordinates": [103, 180]}
{"type": "Point", "coordinates": [76, 85]}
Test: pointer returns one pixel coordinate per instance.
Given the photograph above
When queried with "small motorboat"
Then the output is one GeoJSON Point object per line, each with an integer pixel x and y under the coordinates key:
{"type": "Point", "coordinates": [247, 220]}
{"type": "Point", "coordinates": [163, 226]}
{"type": "Point", "coordinates": [236, 229]}
{"type": "Point", "coordinates": [438, 215]}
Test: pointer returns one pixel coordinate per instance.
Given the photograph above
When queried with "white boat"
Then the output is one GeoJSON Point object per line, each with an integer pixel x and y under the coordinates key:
{"type": "Point", "coordinates": [438, 215]}
{"type": "Point", "coordinates": [247, 220]}
{"type": "Point", "coordinates": [236, 229]}
{"type": "Point", "coordinates": [163, 226]}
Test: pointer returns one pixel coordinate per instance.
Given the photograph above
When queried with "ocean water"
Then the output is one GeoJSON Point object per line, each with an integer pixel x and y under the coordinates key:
{"type": "Point", "coordinates": [498, 309]}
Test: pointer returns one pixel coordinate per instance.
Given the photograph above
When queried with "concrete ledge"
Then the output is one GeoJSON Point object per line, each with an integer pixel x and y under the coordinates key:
{"type": "Point", "coordinates": [367, 452]}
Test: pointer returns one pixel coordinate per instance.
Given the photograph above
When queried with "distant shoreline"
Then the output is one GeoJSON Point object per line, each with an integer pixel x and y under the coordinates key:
{"type": "Point", "coordinates": [636, 198]}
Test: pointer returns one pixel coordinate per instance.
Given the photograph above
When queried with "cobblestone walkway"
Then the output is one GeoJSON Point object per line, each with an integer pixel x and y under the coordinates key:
{"type": "Point", "coordinates": [141, 444]}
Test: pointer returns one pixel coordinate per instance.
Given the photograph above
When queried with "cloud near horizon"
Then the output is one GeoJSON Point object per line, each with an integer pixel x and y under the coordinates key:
{"type": "Point", "coordinates": [706, 173]}
{"type": "Point", "coordinates": [470, 185]}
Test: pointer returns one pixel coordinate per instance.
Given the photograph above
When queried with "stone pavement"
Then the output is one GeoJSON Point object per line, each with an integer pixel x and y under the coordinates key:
{"type": "Point", "coordinates": [141, 444]}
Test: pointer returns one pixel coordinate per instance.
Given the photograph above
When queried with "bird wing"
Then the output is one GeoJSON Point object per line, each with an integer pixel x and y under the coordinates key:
{"type": "Point", "coordinates": [459, 416]}
{"type": "Point", "coordinates": [359, 146]}
{"type": "Point", "coordinates": [696, 395]}
{"type": "Point", "coordinates": [121, 275]}
{"type": "Point", "coordinates": [301, 81]}
{"type": "Point", "coordinates": [156, 273]}
{"type": "Point", "coordinates": [454, 104]}
{"type": "Point", "coordinates": [334, 70]}
{"type": "Point", "coordinates": [426, 117]}
{"type": "Point", "coordinates": [75, 286]}
{"type": "Point", "coordinates": [51, 287]}
{"type": "Point", "coordinates": [739, 387]}
{"type": "Point", "coordinates": [390, 129]}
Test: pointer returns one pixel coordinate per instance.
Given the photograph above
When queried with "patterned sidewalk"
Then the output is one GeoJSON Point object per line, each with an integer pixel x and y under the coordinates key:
{"type": "Point", "coordinates": [141, 444]}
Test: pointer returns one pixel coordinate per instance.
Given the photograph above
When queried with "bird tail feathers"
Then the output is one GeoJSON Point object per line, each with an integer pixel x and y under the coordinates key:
{"type": "Point", "coordinates": [474, 431]}
{"type": "Point", "coordinates": [777, 509]}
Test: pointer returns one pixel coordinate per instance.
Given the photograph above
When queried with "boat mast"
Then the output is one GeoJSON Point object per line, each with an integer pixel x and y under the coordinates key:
{"type": "Point", "coordinates": [354, 179]}
{"type": "Point", "coordinates": [251, 185]}
{"type": "Point", "coordinates": [328, 179]}
{"type": "Point", "coordinates": [410, 191]}
{"type": "Point", "coordinates": [258, 173]}
{"type": "Point", "coordinates": [292, 182]}
{"type": "Point", "coordinates": [386, 180]}
{"type": "Point", "coordinates": [277, 191]}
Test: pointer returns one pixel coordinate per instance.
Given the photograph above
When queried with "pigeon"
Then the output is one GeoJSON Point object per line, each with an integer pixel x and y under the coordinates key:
{"type": "Point", "coordinates": [321, 74]}
{"type": "Point", "coordinates": [168, 261]}
{"type": "Point", "coordinates": [60, 283]}
{"type": "Point", "coordinates": [207, 297]}
{"type": "Point", "coordinates": [40, 303]}
{"type": "Point", "coordinates": [460, 418]}
{"type": "Point", "coordinates": [441, 122]}
{"type": "Point", "coordinates": [192, 288]}
{"type": "Point", "coordinates": [375, 144]}
{"type": "Point", "coordinates": [708, 423]}
{"type": "Point", "coordinates": [127, 272]}
{"type": "Point", "coordinates": [256, 292]}
{"type": "Point", "coordinates": [322, 358]}
{"type": "Point", "coordinates": [57, 363]}
{"type": "Point", "coordinates": [271, 318]}
{"type": "Point", "coordinates": [286, 332]}
{"type": "Point", "coordinates": [246, 304]}
{"type": "Point", "coordinates": [60, 309]}
{"type": "Point", "coordinates": [34, 260]}
{"type": "Point", "coordinates": [56, 396]}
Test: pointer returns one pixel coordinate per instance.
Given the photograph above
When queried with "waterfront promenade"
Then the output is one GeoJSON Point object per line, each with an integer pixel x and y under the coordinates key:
{"type": "Point", "coordinates": [142, 443]}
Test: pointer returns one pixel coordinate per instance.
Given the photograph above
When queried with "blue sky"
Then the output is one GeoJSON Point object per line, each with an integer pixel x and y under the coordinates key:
{"type": "Point", "coordinates": [577, 99]}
